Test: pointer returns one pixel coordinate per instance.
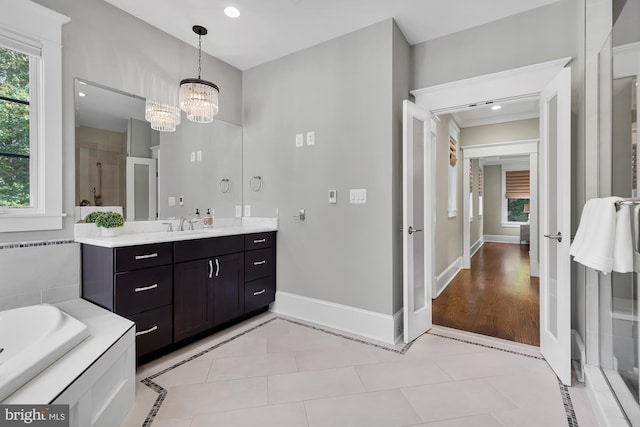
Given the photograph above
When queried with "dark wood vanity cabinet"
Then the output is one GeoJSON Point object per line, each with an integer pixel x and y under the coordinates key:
{"type": "Point", "coordinates": [178, 290]}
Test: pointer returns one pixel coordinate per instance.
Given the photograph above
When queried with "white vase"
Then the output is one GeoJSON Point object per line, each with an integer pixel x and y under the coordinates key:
{"type": "Point", "coordinates": [109, 232]}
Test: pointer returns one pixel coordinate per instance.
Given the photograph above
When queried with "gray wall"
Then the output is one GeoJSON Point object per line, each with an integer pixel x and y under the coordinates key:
{"type": "Point", "coordinates": [449, 231]}
{"type": "Point", "coordinates": [535, 36]}
{"type": "Point", "coordinates": [343, 90]}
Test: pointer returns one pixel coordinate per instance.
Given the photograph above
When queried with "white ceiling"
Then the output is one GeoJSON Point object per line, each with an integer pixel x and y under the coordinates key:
{"type": "Point", "coordinates": [267, 30]}
{"type": "Point", "coordinates": [510, 111]}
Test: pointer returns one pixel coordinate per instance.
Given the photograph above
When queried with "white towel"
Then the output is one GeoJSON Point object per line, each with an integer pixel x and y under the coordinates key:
{"type": "Point", "coordinates": [603, 240]}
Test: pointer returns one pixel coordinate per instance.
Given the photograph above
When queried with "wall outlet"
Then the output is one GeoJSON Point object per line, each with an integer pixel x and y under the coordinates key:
{"type": "Point", "coordinates": [299, 140]}
{"type": "Point", "coordinates": [181, 200]}
{"type": "Point", "coordinates": [238, 211]}
{"type": "Point", "coordinates": [199, 155]}
{"type": "Point", "coordinates": [193, 156]}
{"type": "Point", "coordinates": [172, 201]}
{"type": "Point", "coordinates": [333, 196]}
{"type": "Point", "coordinates": [311, 138]}
{"type": "Point", "coordinates": [247, 210]}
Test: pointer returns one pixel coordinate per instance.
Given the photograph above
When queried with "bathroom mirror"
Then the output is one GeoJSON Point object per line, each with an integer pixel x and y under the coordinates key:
{"type": "Point", "coordinates": [121, 161]}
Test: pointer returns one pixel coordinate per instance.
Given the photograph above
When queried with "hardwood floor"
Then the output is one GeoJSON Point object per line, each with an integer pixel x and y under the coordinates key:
{"type": "Point", "coordinates": [496, 297]}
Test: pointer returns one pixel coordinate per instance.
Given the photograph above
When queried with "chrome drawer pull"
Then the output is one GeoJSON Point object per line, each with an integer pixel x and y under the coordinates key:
{"type": "Point", "coordinates": [147, 331]}
{"type": "Point", "coordinates": [153, 255]}
{"type": "Point", "coordinates": [259, 292]}
{"type": "Point", "coordinates": [260, 262]}
{"type": "Point", "coordinates": [146, 288]}
{"type": "Point", "coordinates": [259, 240]}
{"type": "Point", "coordinates": [210, 269]}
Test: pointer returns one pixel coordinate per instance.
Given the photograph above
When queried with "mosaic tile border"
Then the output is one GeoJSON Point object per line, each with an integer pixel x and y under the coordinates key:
{"type": "Point", "coordinates": [572, 420]}
{"type": "Point", "coordinates": [15, 245]}
{"type": "Point", "coordinates": [162, 392]}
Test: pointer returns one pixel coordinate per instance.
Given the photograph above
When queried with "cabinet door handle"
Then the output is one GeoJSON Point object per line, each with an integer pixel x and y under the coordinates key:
{"type": "Point", "coordinates": [146, 288]}
{"type": "Point", "coordinates": [260, 262]}
{"type": "Point", "coordinates": [211, 269]}
{"type": "Point", "coordinates": [217, 268]}
{"type": "Point", "coordinates": [259, 292]}
{"type": "Point", "coordinates": [147, 331]}
{"type": "Point", "coordinates": [153, 255]}
{"type": "Point", "coordinates": [259, 240]}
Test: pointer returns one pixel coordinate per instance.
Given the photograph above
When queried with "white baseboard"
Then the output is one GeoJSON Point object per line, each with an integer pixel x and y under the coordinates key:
{"type": "Point", "coordinates": [497, 238]}
{"type": "Point", "coordinates": [369, 324]}
{"type": "Point", "coordinates": [477, 245]}
{"type": "Point", "coordinates": [444, 278]}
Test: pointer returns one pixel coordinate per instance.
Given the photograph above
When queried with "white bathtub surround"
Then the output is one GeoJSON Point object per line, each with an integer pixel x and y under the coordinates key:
{"type": "Point", "coordinates": [39, 272]}
{"type": "Point", "coordinates": [31, 339]}
{"type": "Point", "coordinates": [147, 232]}
{"type": "Point", "coordinates": [96, 378]}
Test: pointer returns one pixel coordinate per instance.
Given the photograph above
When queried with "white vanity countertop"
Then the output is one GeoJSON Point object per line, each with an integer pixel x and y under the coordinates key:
{"type": "Point", "coordinates": [105, 329]}
{"type": "Point", "coordinates": [141, 234]}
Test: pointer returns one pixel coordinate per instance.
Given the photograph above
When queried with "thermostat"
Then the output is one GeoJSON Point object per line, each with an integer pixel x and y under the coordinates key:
{"type": "Point", "coordinates": [333, 196]}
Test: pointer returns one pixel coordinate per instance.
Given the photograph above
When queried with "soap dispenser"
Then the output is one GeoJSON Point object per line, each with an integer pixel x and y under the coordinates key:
{"type": "Point", "coordinates": [197, 215]}
{"type": "Point", "coordinates": [208, 219]}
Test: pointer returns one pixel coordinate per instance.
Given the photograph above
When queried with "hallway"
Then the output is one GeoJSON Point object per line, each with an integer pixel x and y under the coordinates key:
{"type": "Point", "coordinates": [496, 297]}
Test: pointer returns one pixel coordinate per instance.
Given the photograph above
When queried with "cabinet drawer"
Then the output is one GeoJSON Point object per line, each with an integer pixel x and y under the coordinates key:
{"type": "Point", "coordinates": [258, 241]}
{"type": "Point", "coordinates": [141, 290]}
{"type": "Point", "coordinates": [153, 329]}
{"type": "Point", "coordinates": [258, 264]}
{"type": "Point", "coordinates": [259, 293]}
{"type": "Point", "coordinates": [206, 248]}
{"type": "Point", "coordinates": [143, 256]}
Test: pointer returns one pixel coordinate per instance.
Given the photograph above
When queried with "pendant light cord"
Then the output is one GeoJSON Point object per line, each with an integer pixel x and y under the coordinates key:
{"type": "Point", "coordinates": [199, 55]}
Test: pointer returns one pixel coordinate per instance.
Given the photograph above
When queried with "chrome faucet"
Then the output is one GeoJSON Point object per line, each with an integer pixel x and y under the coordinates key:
{"type": "Point", "coordinates": [170, 226]}
{"type": "Point", "coordinates": [181, 226]}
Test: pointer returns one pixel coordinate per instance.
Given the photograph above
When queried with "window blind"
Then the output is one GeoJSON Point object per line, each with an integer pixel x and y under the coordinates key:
{"type": "Point", "coordinates": [479, 182]}
{"type": "Point", "coordinates": [453, 158]}
{"type": "Point", "coordinates": [470, 177]}
{"type": "Point", "coordinates": [517, 185]}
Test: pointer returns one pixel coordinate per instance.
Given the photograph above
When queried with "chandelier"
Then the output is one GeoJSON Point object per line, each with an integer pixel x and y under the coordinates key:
{"type": "Point", "coordinates": [163, 118]}
{"type": "Point", "coordinates": [199, 98]}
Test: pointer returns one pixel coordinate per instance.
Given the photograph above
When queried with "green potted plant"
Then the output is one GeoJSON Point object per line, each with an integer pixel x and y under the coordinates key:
{"type": "Point", "coordinates": [108, 222]}
{"type": "Point", "coordinates": [91, 217]}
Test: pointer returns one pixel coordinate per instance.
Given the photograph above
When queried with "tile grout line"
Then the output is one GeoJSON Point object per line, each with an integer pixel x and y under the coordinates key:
{"type": "Point", "coordinates": [572, 421]}
{"type": "Point", "coordinates": [162, 392]}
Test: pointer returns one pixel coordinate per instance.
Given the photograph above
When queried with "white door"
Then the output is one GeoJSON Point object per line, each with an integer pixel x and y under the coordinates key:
{"type": "Point", "coordinates": [555, 224]}
{"type": "Point", "coordinates": [141, 189]}
{"type": "Point", "coordinates": [417, 224]}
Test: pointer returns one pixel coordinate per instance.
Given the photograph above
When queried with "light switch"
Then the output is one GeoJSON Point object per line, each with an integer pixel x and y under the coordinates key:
{"type": "Point", "coordinates": [172, 201]}
{"type": "Point", "coordinates": [247, 210]}
{"type": "Point", "coordinates": [193, 156]}
{"type": "Point", "coordinates": [199, 155]}
{"type": "Point", "coordinates": [299, 140]}
{"type": "Point", "coordinates": [311, 138]}
{"type": "Point", "coordinates": [358, 196]}
{"type": "Point", "coordinates": [238, 211]}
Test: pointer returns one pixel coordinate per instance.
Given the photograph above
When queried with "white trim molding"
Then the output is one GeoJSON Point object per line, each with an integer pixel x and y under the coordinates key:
{"type": "Point", "coordinates": [476, 246]}
{"type": "Point", "coordinates": [498, 238]}
{"type": "Point", "coordinates": [369, 324]}
{"type": "Point", "coordinates": [444, 278]}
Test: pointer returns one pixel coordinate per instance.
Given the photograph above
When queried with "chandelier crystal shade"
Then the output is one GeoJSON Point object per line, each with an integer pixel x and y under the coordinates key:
{"type": "Point", "coordinates": [199, 98]}
{"type": "Point", "coordinates": [163, 118]}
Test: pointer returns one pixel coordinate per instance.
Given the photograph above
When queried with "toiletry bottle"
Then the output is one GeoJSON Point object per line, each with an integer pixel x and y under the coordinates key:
{"type": "Point", "coordinates": [208, 219]}
{"type": "Point", "coordinates": [197, 215]}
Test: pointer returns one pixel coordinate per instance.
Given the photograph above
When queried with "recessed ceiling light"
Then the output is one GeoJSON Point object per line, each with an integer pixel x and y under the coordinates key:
{"type": "Point", "coordinates": [231, 12]}
{"type": "Point", "coordinates": [82, 94]}
{"type": "Point", "coordinates": [496, 107]}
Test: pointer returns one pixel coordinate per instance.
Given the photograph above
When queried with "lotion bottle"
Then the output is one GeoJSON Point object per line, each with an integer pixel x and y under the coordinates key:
{"type": "Point", "coordinates": [208, 219]}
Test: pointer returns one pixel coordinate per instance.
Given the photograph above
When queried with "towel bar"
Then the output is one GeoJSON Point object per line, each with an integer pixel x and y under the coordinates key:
{"type": "Point", "coordinates": [628, 202]}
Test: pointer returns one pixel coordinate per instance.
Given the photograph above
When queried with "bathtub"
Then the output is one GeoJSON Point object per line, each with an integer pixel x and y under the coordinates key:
{"type": "Point", "coordinates": [31, 339]}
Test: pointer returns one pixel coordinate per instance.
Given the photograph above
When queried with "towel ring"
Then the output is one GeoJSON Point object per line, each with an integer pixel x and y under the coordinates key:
{"type": "Point", "coordinates": [255, 183]}
{"type": "Point", "coordinates": [225, 185]}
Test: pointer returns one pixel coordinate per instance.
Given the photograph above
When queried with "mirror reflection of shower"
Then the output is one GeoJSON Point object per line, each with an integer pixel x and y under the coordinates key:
{"type": "Point", "coordinates": [97, 196]}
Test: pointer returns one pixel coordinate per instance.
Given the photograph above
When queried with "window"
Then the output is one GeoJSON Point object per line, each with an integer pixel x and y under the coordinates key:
{"type": "Point", "coordinates": [30, 117]}
{"type": "Point", "coordinates": [516, 190]}
{"type": "Point", "coordinates": [18, 125]}
{"type": "Point", "coordinates": [452, 170]}
{"type": "Point", "coordinates": [480, 200]}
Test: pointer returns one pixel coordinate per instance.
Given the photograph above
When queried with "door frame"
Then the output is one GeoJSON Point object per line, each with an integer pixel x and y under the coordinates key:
{"type": "Point", "coordinates": [513, 148]}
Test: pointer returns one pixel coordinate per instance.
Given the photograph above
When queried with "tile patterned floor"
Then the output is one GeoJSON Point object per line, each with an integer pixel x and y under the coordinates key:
{"type": "Point", "coordinates": [271, 371]}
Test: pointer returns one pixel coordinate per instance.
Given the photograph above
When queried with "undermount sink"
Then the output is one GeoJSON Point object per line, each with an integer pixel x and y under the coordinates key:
{"type": "Point", "coordinates": [199, 231]}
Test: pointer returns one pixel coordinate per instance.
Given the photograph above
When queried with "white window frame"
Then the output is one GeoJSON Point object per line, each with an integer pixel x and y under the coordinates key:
{"type": "Point", "coordinates": [480, 185]}
{"type": "Point", "coordinates": [511, 166]}
{"type": "Point", "coordinates": [36, 27]}
{"type": "Point", "coordinates": [452, 172]}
